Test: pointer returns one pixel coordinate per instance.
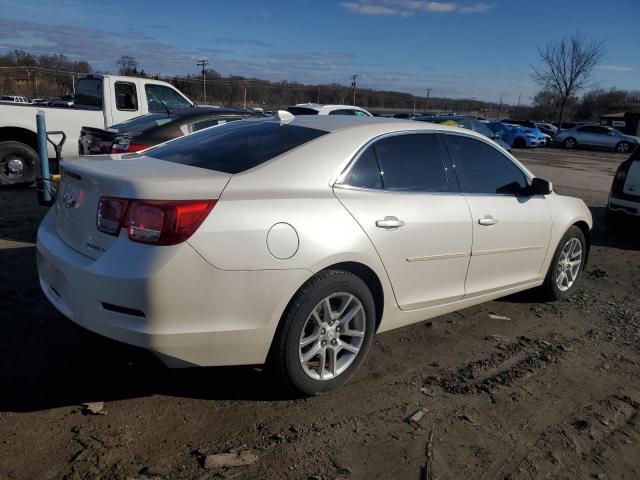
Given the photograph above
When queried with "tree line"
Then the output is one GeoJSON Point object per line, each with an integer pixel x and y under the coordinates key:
{"type": "Point", "coordinates": [565, 70]}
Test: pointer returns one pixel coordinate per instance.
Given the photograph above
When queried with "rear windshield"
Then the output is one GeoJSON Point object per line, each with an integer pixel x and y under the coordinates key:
{"type": "Point", "coordinates": [144, 122]}
{"type": "Point", "coordinates": [89, 92]}
{"type": "Point", "coordinates": [302, 111]}
{"type": "Point", "coordinates": [235, 147]}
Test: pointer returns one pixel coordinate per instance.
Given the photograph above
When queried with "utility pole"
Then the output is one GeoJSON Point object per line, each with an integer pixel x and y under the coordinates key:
{"type": "Point", "coordinates": [518, 105]}
{"type": "Point", "coordinates": [499, 109]}
{"type": "Point", "coordinates": [426, 102]}
{"type": "Point", "coordinates": [284, 92]}
{"type": "Point", "coordinates": [244, 103]}
{"type": "Point", "coordinates": [354, 84]}
{"type": "Point", "coordinates": [203, 63]}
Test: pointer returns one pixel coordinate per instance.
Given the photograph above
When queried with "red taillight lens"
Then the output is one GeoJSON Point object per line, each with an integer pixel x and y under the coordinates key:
{"type": "Point", "coordinates": [128, 147]}
{"type": "Point", "coordinates": [620, 177]}
{"type": "Point", "coordinates": [156, 222]}
{"type": "Point", "coordinates": [110, 214]}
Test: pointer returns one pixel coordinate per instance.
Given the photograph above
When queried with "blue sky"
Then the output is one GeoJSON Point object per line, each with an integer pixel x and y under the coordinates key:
{"type": "Point", "coordinates": [458, 48]}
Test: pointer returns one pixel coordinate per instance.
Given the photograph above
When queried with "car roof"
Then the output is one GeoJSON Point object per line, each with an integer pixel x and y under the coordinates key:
{"type": "Point", "coordinates": [201, 111]}
{"type": "Point", "coordinates": [327, 106]}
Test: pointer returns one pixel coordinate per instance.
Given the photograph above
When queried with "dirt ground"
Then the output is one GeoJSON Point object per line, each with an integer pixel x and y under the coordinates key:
{"type": "Point", "coordinates": [542, 390]}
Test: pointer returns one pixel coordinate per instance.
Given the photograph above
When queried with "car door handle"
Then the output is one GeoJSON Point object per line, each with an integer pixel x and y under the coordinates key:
{"type": "Point", "coordinates": [487, 220]}
{"type": "Point", "coordinates": [389, 222]}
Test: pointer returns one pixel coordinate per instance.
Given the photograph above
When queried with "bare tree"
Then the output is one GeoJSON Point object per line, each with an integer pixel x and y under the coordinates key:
{"type": "Point", "coordinates": [128, 65]}
{"type": "Point", "coordinates": [567, 67]}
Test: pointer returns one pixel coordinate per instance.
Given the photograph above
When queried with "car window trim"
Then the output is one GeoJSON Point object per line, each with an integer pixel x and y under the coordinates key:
{"type": "Point", "coordinates": [345, 172]}
{"type": "Point", "coordinates": [528, 177]}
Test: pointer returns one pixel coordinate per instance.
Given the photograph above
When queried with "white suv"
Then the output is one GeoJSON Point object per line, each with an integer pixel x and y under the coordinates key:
{"type": "Point", "coordinates": [320, 109]}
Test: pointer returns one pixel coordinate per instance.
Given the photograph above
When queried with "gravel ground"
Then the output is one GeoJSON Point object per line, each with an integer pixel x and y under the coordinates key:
{"type": "Point", "coordinates": [512, 389]}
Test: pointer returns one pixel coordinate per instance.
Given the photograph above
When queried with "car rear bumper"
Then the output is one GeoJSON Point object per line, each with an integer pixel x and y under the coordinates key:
{"type": "Point", "coordinates": [166, 299]}
{"type": "Point", "coordinates": [624, 206]}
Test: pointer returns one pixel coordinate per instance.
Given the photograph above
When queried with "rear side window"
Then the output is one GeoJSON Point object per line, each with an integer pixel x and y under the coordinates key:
{"type": "Point", "coordinates": [126, 97]}
{"type": "Point", "coordinates": [302, 111]}
{"type": "Point", "coordinates": [210, 122]}
{"type": "Point", "coordinates": [89, 92]}
{"type": "Point", "coordinates": [412, 163]}
{"type": "Point", "coordinates": [366, 171]}
{"type": "Point", "coordinates": [482, 168]}
{"type": "Point", "coordinates": [236, 146]}
{"type": "Point", "coordinates": [343, 111]}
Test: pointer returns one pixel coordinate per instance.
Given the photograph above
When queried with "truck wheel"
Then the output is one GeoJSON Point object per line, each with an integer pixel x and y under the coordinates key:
{"type": "Point", "coordinates": [19, 163]}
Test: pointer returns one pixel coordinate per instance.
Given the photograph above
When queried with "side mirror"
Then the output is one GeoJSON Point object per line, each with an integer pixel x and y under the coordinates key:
{"type": "Point", "coordinates": [540, 187]}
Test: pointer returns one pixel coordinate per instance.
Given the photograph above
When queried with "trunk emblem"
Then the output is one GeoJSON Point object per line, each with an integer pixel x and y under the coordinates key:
{"type": "Point", "coordinates": [72, 197]}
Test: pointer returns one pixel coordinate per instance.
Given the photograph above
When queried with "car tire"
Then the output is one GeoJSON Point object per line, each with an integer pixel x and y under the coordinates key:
{"type": "Point", "coordinates": [19, 163]}
{"type": "Point", "coordinates": [570, 143]}
{"type": "Point", "coordinates": [623, 147]}
{"type": "Point", "coordinates": [519, 143]}
{"type": "Point", "coordinates": [306, 321]}
{"type": "Point", "coordinates": [556, 287]}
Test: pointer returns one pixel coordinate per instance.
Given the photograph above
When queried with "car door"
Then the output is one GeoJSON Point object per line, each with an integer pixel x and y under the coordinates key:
{"type": "Point", "coordinates": [605, 137]}
{"type": "Point", "coordinates": [399, 191]}
{"type": "Point", "coordinates": [511, 230]}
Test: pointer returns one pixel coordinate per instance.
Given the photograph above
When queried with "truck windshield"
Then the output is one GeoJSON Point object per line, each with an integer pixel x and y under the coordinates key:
{"type": "Point", "coordinates": [89, 92]}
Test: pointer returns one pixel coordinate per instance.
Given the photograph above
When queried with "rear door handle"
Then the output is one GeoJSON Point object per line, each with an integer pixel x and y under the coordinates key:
{"type": "Point", "coordinates": [487, 220]}
{"type": "Point", "coordinates": [389, 222]}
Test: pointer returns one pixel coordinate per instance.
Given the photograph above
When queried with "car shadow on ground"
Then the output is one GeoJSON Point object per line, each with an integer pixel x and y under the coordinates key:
{"type": "Point", "coordinates": [47, 361]}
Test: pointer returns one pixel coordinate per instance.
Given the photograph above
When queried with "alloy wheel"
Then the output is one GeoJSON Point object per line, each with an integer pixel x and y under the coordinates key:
{"type": "Point", "coordinates": [569, 263]}
{"type": "Point", "coordinates": [332, 336]}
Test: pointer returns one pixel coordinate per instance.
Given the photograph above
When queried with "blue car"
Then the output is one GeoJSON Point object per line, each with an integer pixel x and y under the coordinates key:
{"type": "Point", "coordinates": [518, 136]}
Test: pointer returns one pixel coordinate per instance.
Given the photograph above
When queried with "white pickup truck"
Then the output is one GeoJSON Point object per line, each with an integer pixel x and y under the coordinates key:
{"type": "Point", "coordinates": [100, 101]}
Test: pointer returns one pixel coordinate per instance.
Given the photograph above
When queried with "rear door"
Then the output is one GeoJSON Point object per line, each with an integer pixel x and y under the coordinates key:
{"type": "Point", "coordinates": [400, 193]}
{"type": "Point", "coordinates": [511, 231]}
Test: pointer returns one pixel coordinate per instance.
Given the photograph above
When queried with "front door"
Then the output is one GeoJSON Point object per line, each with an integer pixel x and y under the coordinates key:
{"type": "Point", "coordinates": [399, 192]}
{"type": "Point", "coordinates": [511, 229]}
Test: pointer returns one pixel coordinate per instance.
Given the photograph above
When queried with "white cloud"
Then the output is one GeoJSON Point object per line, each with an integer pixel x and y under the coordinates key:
{"type": "Point", "coordinates": [477, 8]}
{"type": "Point", "coordinates": [366, 9]}
{"type": "Point", "coordinates": [616, 68]}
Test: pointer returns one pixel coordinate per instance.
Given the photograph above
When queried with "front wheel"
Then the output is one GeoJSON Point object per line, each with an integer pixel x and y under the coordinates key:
{"type": "Point", "coordinates": [19, 163]}
{"type": "Point", "coordinates": [325, 334]}
{"type": "Point", "coordinates": [570, 143]}
{"type": "Point", "coordinates": [567, 264]}
{"type": "Point", "coordinates": [623, 147]}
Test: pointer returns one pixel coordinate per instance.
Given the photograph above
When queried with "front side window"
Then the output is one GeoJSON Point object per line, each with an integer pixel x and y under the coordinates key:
{"type": "Point", "coordinates": [236, 146]}
{"type": "Point", "coordinates": [411, 162]}
{"type": "Point", "coordinates": [482, 168]}
{"type": "Point", "coordinates": [161, 98]}
{"type": "Point", "coordinates": [126, 98]}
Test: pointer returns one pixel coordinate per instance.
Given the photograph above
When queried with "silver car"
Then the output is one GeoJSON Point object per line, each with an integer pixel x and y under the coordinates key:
{"type": "Point", "coordinates": [599, 136]}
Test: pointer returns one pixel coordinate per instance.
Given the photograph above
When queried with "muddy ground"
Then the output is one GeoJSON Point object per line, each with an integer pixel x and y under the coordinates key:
{"type": "Point", "coordinates": [546, 391]}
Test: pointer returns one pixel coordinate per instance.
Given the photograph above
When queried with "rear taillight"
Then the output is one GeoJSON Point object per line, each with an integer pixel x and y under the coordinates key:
{"type": "Point", "coordinates": [111, 211]}
{"type": "Point", "coordinates": [620, 177]}
{"type": "Point", "coordinates": [156, 222]}
{"type": "Point", "coordinates": [128, 147]}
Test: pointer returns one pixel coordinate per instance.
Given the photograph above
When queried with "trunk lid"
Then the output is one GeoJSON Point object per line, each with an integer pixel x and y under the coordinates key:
{"type": "Point", "coordinates": [95, 141]}
{"type": "Point", "coordinates": [86, 179]}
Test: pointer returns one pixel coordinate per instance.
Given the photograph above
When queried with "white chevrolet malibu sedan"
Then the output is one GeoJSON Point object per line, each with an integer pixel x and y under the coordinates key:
{"type": "Point", "coordinates": [292, 242]}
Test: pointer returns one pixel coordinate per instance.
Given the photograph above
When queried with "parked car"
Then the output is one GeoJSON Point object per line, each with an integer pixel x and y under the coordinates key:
{"type": "Point", "coordinates": [13, 99]}
{"type": "Point", "coordinates": [145, 131]}
{"type": "Point", "coordinates": [547, 128]}
{"type": "Point", "coordinates": [469, 123]}
{"type": "Point", "coordinates": [63, 101]}
{"type": "Point", "coordinates": [320, 109]}
{"type": "Point", "coordinates": [294, 241]}
{"type": "Point", "coordinates": [597, 136]}
{"type": "Point", "coordinates": [100, 101]}
{"type": "Point", "coordinates": [624, 198]}
{"type": "Point", "coordinates": [517, 136]}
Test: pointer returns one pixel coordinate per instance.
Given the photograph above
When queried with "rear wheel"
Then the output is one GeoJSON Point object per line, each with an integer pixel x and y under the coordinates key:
{"type": "Point", "coordinates": [623, 147]}
{"type": "Point", "coordinates": [325, 334]}
{"type": "Point", "coordinates": [566, 266]}
{"type": "Point", "coordinates": [19, 163]}
{"type": "Point", "coordinates": [570, 143]}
